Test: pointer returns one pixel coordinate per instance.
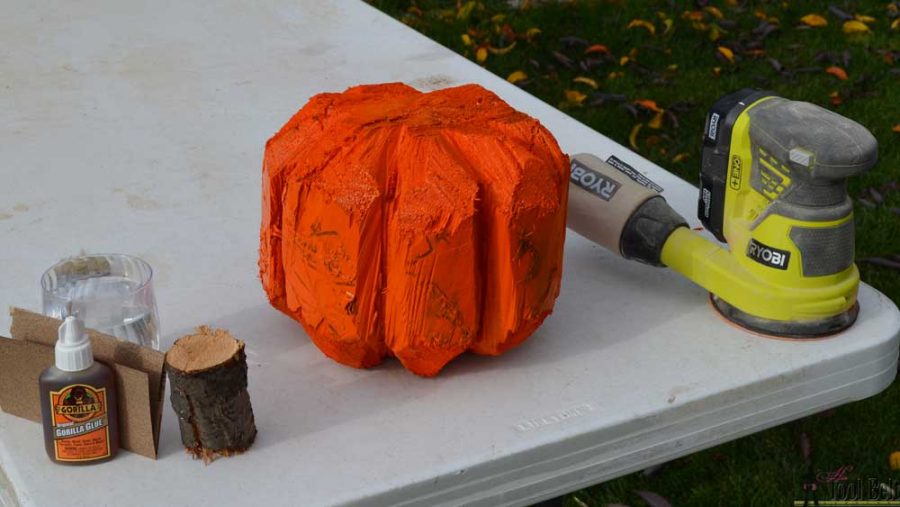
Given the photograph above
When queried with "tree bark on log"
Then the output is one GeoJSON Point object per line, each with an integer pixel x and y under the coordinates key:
{"type": "Point", "coordinates": [208, 371]}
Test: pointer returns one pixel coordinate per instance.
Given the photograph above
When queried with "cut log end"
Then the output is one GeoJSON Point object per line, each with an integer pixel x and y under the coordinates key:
{"type": "Point", "coordinates": [206, 349]}
{"type": "Point", "coordinates": [208, 371]}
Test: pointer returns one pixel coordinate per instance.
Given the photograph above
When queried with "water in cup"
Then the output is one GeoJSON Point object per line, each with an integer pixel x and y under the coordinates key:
{"type": "Point", "coordinates": [111, 293]}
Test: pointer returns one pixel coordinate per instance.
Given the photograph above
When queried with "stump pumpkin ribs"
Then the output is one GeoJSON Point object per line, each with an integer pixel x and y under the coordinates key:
{"type": "Point", "coordinates": [418, 225]}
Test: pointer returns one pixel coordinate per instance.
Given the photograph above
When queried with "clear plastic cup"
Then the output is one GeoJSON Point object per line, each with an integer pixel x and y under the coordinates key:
{"type": "Point", "coordinates": [112, 293]}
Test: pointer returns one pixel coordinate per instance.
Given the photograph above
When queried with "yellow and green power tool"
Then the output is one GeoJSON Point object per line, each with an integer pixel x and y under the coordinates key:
{"type": "Point", "coordinates": [773, 186]}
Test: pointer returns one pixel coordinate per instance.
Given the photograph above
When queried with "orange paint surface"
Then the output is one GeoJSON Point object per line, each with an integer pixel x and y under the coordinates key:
{"type": "Point", "coordinates": [418, 225]}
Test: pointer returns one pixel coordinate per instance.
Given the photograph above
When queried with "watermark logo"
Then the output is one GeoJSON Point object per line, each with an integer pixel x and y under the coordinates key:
{"type": "Point", "coordinates": [836, 488]}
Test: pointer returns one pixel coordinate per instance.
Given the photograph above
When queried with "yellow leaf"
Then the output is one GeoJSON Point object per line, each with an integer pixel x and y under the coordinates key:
{"type": "Point", "coordinates": [894, 460]}
{"type": "Point", "coordinates": [668, 24]}
{"type": "Point", "coordinates": [814, 20]}
{"type": "Point", "coordinates": [517, 76]}
{"type": "Point", "coordinates": [614, 75]}
{"type": "Point", "coordinates": [596, 48]}
{"type": "Point", "coordinates": [679, 158]}
{"type": "Point", "coordinates": [586, 80]}
{"type": "Point", "coordinates": [853, 26]}
{"type": "Point", "coordinates": [465, 10]}
{"type": "Point", "coordinates": [863, 18]}
{"type": "Point", "coordinates": [716, 13]}
{"type": "Point", "coordinates": [837, 72]}
{"type": "Point", "coordinates": [481, 54]}
{"type": "Point", "coordinates": [498, 18]}
{"type": "Point", "coordinates": [649, 104]}
{"type": "Point", "coordinates": [717, 71]}
{"type": "Point", "coordinates": [532, 32]}
{"type": "Point", "coordinates": [502, 51]}
{"type": "Point", "coordinates": [646, 25]}
{"type": "Point", "coordinates": [715, 33]}
{"type": "Point", "coordinates": [895, 25]}
{"type": "Point", "coordinates": [624, 60]}
{"type": "Point", "coordinates": [672, 67]}
{"type": "Point", "coordinates": [575, 97]}
{"type": "Point", "coordinates": [466, 39]}
{"type": "Point", "coordinates": [727, 53]}
{"type": "Point", "coordinates": [656, 122]}
{"type": "Point", "coordinates": [632, 137]}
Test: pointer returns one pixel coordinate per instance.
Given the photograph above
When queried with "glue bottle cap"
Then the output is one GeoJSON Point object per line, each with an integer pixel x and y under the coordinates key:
{"type": "Point", "coordinates": [73, 349]}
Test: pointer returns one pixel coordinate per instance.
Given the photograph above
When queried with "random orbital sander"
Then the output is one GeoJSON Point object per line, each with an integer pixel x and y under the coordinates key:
{"type": "Point", "coordinates": [773, 188]}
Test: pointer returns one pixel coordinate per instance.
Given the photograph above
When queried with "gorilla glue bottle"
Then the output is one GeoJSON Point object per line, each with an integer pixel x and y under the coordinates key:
{"type": "Point", "coordinates": [78, 402]}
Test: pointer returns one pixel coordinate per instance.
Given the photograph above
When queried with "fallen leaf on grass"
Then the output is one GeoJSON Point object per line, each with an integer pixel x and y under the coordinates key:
{"type": "Point", "coordinates": [681, 157]}
{"type": "Point", "coordinates": [632, 136]}
{"type": "Point", "coordinates": [727, 53]}
{"type": "Point", "coordinates": [517, 76]}
{"type": "Point", "coordinates": [837, 72]}
{"type": "Point", "coordinates": [601, 98]}
{"type": "Point", "coordinates": [876, 195]}
{"type": "Point", "coordinates": [894, 460]}
{"type": "Point", "coordinates": [692, 15]}
{"type": "Point", "coordinates": [502, 51]}
{"type": "Point", "coordinates": [532, 33]}
{"type": "Point", "coordinates": [884, 263]}
{"type": "Point", "coordinates": [646, 25]}
{"type": "Point", "coordinates": [649, 104]}
{"type": "Point", "coordinates": [596, 48]}
{"type": "Point", "coordinates": [465, 10]}
{"type": "Point", "coordinates": [814, 20]}
{"type": "Point", "coordinates": [624, 60]}
{"type": "Point", "coordinates": [855, 27]}
{"type": "Point", "coordinates": [836, 98]}
{"type": "Point", "coordinates": [838, 13]}
{"type": "Point", "coordinates": [896, 128]}
{"type": "Point", "coordinates": [805, 447]}
{"type": "Point", "coordinates": [895, 25]}
{"type": "Point", "coordinates": [714, 11]}
{"type": "Point", "coordinates": [466, 40]}
{"type": "Point", "coordinates": [570, 41]}
{"type": "Point", "coordinates": [587, 81]}
{"type": "Point", "coordinates": [656, 122]}
{"type": "Point", "coordinates": [575, 97]}
{"type": "Point", "coordinates": [563, 59]}
{"type": "Point", "coordinates": [481, 54]}
{"type": "Point", "coordinates": [864, 19]}
{"type": "Point", "coordinates": [653, 499]}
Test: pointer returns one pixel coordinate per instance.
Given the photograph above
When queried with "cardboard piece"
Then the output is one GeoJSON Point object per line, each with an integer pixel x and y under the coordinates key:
{"type": "Point", "coordinates": [140, 379]}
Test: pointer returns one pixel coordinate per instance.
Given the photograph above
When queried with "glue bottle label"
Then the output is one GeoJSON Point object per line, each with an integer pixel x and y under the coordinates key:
{"type": "Point", "coordinates": [79, 422]}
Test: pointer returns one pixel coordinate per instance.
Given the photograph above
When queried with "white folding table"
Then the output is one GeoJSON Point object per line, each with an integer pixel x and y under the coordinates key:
{"type": "Point", "coordinates": [138, 127]}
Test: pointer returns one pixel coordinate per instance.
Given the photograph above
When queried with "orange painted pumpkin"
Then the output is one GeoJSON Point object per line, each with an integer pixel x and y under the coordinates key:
{"type": "Point", "coordinates": [418, 225]}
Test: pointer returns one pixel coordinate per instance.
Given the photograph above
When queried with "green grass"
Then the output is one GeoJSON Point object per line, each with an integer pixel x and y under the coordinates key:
{"type": "Point", "coordinates": [683, 71]}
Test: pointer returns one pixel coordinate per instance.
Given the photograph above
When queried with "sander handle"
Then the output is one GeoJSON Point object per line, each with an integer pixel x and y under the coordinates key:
{"type": "Point", "coordinates": [608, 207]}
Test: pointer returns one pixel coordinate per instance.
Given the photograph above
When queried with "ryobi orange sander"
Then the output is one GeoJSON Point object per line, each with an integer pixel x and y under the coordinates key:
{"type": "Point", "coordinates": [773, 186]}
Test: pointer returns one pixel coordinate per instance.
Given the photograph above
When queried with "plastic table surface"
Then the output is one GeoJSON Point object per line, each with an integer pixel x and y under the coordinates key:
{"type": "Point", "coordinates": [138, 127]}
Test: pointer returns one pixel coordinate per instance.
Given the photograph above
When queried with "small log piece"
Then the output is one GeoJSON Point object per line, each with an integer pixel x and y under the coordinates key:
{"type": "Point", "coordinates": [208, 371]}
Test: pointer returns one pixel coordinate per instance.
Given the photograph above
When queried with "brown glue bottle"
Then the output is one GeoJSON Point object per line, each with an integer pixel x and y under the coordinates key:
{"type": "Point", "coordinates": [78, 402]}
